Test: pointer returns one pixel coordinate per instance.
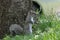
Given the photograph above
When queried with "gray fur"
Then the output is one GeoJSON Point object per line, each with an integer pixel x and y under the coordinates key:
{"type": "Point", "coordinates": [31, 17]}
{"type": "Point", "coordinates": [29, 22]}
{"type": "Point", "coordinates": [17, 29]}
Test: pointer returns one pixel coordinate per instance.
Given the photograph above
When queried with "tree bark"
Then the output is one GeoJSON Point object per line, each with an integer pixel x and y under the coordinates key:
{"type": "Point", "coordinates": [13, 12]}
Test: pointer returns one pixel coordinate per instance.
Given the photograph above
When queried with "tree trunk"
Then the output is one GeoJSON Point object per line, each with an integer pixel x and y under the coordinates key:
{"type": "Point", "coordinates": [13, 12]}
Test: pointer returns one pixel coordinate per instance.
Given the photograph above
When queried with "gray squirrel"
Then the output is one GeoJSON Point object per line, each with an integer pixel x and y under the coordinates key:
{"type": "Point", "coordinates": [30, 20]}
{"type": "Point", "coordinates": [17, 29]}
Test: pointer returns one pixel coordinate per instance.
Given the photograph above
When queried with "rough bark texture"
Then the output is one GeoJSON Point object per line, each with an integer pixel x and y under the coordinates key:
{"type": "Point", "coordinates": [12, 12]}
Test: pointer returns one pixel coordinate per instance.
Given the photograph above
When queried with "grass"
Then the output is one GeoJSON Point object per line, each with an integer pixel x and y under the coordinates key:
{"type": "Point", "coordinates": [48, 28]}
